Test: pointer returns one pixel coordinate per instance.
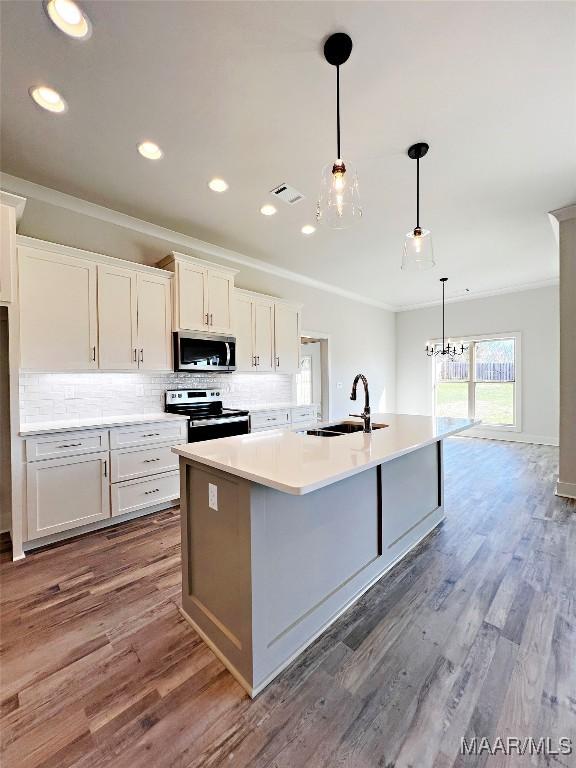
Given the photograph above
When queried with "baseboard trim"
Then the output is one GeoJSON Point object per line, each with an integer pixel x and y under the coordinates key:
{"type": "Point", "coordinates": [73, 533]}
{"type": "Point", "coordinates": [566, 490]}
{"type": "Point", "coordinates": [513, 437]}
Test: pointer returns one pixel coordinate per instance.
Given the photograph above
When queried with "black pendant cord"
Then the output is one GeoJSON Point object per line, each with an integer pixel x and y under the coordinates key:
{"type": "Point", "coordinates": [339, 156]}
{"type": "Point", "coordinates": [417, 193]}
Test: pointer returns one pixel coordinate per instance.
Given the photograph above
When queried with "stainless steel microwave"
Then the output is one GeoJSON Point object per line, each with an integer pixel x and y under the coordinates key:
{"type": "Point", "coordinates": [203, 352]}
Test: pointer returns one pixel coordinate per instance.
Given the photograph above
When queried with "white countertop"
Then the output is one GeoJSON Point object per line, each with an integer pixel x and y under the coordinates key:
{"type": "Point", "coordinates": [298, 463]}
{"type": "Point", "coordinates": [96, 422]}
{"type": "Point", "coordinates": [272, 407]}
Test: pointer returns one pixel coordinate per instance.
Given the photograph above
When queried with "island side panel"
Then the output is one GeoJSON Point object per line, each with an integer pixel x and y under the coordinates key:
{"type": "Point", "coordinates": [315, 555]}
{"type": "Point", "coordinates": [216, 577]}
{"type": "Point", "coordinates": [412, 499]}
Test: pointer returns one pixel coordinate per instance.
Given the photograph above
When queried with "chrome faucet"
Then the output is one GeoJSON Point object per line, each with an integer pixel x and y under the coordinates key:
{"type": "Point", "coordinates": [365, 415]}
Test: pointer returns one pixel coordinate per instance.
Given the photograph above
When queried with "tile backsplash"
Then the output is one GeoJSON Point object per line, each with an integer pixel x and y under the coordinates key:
{"type": "Point", "coordinates": [56, 396]}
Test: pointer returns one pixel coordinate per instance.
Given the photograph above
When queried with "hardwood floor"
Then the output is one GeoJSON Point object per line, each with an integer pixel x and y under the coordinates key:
{"type": "Point", "coordinates": [473, 635]}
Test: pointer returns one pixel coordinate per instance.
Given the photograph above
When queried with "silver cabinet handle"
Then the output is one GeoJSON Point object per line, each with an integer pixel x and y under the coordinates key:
{"type": "Point", "coordinates": [207, 323]}
{"type": "Point", "coordinates": [154, 490]}
{"type": "Point", "coordinates": [135, 355]}
{"type": "Point", "coordinates": [211, 319]}
{"type": "Point", "coordinates": [152, 434]}
{"type": "Point", "coordinates": [277, 362]}
{"type": "Point", "coordinates": [141, 355]}
{"type": "Point", "coordinates": [105, 467]}
{"type": "Point", "coordinates": [69, 445]}
{"type": "Point", "coordinates": [148, 461]}
{"type": "Point", "coordinates": [94, 354]}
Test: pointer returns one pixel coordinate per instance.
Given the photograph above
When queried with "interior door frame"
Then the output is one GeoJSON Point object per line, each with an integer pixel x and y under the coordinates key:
{"type": "Point", "coordinates": [326, 369]}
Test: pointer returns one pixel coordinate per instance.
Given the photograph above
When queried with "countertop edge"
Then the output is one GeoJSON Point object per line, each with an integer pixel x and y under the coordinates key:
{"type": "Point", "coordinates": [297, 490]}
{"type": "Point", "coordinates": [113, 421]}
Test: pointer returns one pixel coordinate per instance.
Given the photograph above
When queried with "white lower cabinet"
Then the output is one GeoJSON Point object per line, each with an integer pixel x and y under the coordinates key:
{"type": "Point", "coordinates": [140, 462]}
{"type": "Point", "coordinates": [132, 495]}
{"type": "Point", "coordinates": [66, 493]}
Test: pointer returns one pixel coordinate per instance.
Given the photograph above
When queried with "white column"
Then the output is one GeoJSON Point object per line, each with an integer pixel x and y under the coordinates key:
{"type": "Point", "coordinates": [566, 485]}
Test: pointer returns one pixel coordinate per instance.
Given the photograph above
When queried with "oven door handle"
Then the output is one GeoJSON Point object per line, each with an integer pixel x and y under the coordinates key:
{"type": "Point", "coordinates": [210, 422]}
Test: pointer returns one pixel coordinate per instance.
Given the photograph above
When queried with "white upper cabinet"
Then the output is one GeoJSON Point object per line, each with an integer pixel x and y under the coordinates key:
{"type": "Point", "coordinates": [11, 208]}
{"type": "Point", "coordinates": [267, 333]}
{"type": "Point", "coordinates": [244, 331]}
{"type": "Point", "coordinates": [117, 318]}
{"type": "Point", "coordinates": [154, 334]}
{"type": "Point", "coordinates": [264, 335]}
{"type": "Point", "coordinates": [58, 313]}
{"type": "Point", "coordinates": [286, 338]}
{"type": "Point", "coordinates": [202, 294]}
{"type": "Point", "coordinates": [77, 314]}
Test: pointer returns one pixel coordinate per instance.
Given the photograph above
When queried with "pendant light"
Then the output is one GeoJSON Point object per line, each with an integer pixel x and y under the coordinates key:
{"type": "Point", "coordinates": [339, 203]}
{"type": "Point", "coordinates": [447, 349]}
{"type": "Point", "coordinates": [418, 254]}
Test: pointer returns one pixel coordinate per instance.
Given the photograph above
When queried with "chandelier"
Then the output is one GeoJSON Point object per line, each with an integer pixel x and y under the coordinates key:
{"type": "Point", "coordinates": [447, 349]}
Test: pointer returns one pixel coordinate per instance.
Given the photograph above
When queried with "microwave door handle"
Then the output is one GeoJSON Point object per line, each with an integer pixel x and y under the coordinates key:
{"type": "Point", "coordinates": [227, 353]}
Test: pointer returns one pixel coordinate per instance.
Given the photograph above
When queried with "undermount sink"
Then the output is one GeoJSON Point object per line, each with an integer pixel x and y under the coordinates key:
{"type": "Point", "coordinates": [344, 428]}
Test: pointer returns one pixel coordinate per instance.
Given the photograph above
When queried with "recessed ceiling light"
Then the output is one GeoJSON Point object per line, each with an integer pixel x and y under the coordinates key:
{"type": "Point", "coordinates": [308, 229]}
{"type": "Point", "coordinates": [69, 18]}
{"type": "Point", "coordinates": [268, 210]}
{"type": "Point", "coordinates": [150, 151]}
{"type": "Point", "coordinates": [48, 98]}
{"type": "Point", "coordinates": [218, 185]}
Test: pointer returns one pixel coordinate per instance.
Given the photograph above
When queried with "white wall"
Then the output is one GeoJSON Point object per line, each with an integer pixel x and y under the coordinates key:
{"type": "Point", "coordinates": [362, 337]}
{"type": "Point", "coordinates": [535, 314]}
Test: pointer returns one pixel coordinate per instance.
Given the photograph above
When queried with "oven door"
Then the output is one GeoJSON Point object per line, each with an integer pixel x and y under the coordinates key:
{"type": "Point", "coordinates": [210, 429]}
{"type": "Point", "coordinates": [198, 352]}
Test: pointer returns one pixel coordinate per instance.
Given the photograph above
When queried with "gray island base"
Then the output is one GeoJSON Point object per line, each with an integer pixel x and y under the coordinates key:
{"type": "Point", "coordinates": [267, 571]}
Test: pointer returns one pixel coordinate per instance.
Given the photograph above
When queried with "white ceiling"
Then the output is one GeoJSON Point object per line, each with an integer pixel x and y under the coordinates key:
{"type": "Point", "coordinates": [241, 90]}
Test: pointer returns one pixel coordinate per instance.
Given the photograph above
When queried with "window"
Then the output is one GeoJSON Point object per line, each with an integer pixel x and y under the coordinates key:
{"type": "Point", "coordinates": [481, 383]}
{"type": "Point", "coordinates": [304, 381]}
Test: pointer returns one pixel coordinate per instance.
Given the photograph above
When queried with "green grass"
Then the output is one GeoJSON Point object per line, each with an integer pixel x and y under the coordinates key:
{"type": "Point", "coordinates": [494, 401]}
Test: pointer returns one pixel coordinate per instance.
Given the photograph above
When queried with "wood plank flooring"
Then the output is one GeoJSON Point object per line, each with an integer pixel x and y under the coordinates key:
{"type": "Point", "coordinates": [473, 635]}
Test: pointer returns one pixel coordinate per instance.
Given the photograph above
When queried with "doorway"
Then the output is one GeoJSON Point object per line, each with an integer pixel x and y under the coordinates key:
{"type": "Point", "coordinates": [313, 380]}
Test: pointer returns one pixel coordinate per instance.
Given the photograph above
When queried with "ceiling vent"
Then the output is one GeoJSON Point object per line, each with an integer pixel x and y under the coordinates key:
{"type": "Point", "coordinates": [287, 194]}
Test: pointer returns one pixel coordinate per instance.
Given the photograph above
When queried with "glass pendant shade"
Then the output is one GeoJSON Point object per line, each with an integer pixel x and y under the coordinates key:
{"type": "Point", "coordinates": [339, 202]}
{"type": "Point", "coordinates": [418, 253]}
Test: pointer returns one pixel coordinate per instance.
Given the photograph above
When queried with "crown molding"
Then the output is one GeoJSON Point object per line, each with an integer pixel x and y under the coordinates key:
{"type": "Point", "coordinates": [563, 214]}
{"type": "Point", "coordinates": [14, 201]}
{"type": "Point", "coordinates": [84, 207]}
{"type": "Point", "coordinates": [482, 294]}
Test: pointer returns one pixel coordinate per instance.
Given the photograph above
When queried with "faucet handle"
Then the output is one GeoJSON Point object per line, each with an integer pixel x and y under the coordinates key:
{"type": "Point", "coordinates": [358, 415]}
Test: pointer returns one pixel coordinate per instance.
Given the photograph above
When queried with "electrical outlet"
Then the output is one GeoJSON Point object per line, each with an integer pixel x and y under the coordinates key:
{"type": "Point", "coordinates": [68, 393]}
{"type": "Point", "coordinates": [213, 496]}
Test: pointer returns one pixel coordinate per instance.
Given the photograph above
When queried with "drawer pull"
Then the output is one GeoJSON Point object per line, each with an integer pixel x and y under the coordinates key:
{"type": "Point", "coordinates": [152, 434]}
{"type": "Point", "coordinates": [69, 445]}
{"type": "Point", "coordinates": [154, 490]}
{"type": "Point", "coordinates": [148, 461]}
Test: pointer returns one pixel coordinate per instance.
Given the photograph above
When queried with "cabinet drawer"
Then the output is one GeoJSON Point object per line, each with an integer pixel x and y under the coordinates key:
{"type": "Point", "coordinates": [269, 420]}
{"type": "Point", "coordinates": [129, 464]}
{"type": "Point", "coordinates": [303, 413]}
{"type": "Point", "coordinates": [54, 446]}
{"type": "Point", "coordinates": [138, 494]}
{"type": "Point", "coordinates": [148, 434]}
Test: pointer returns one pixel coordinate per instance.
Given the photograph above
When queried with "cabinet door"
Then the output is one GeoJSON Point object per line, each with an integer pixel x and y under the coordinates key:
{"type": "Point", "coordinates": [244, 332]}
{"type": "Point", "coordinates": [220, 286]}
{"type": "Point", "coordinates": [7, 252]}
{"type": "Point", "coordinates": [264, 335]}
{"type": "Point", "coordinates": [192, 297]}
{"type": "Point", "coordinates": [287, 338]}
{"type": "Point", "coordinates": [58, 317]}
{"type": "Point", "coordinates": [154, 335]}
{"type": "Point", "coordinates": [66, 493]}
{"type": "Point", "coordinates": [117, 318]}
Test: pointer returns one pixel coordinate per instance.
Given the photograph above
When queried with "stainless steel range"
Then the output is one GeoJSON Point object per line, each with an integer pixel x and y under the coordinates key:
{"type": "Point", "coordinates": [208, 418]}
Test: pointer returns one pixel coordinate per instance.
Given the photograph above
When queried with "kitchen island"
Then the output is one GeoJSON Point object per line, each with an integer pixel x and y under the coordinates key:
{"type": "Point", "coordinates": [282, 531]}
